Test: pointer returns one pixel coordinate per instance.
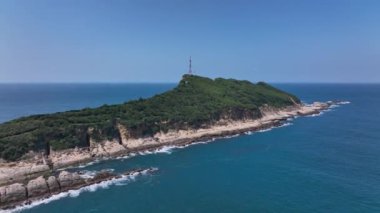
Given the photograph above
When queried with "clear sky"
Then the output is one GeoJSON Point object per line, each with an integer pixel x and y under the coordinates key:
{"type": "Point", "coordinates": [150, 41]}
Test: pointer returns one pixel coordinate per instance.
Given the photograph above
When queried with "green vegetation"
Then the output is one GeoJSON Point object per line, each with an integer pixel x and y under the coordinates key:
{"type": "Point", "coordinates": [195, 102]}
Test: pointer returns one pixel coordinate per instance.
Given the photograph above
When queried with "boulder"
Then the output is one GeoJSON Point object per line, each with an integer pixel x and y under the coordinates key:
{"type": "Point", "coordinates": [68, 180]}
{"type": "Point", "coordinates": [53, 184]}
{"type": "Point", "coordinates": [37, 187]}
{"type": "Point", "coordinates": [13, 193]}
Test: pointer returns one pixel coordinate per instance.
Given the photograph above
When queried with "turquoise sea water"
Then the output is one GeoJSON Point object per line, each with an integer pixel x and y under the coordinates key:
{"type": "Point", "coordinates": [328, 163]}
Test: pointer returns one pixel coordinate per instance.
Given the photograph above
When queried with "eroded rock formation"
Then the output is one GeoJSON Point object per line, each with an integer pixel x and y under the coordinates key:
{"type": "Point", "coordinates": [39, 187]}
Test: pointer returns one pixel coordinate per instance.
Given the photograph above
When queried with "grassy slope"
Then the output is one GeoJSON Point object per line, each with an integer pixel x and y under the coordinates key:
{"type": "Point", "coordinates": [195, 102]}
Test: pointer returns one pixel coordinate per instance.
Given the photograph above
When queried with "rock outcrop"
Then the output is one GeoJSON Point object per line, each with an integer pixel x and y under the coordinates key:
{"type": "Point", "coordinates": [19, 193]}
{"type": "Point", "coordinates": [37, 187]}
{"type": "Point", "coordinates": [106, 148]}
{"type": "Point", "coordinates": [23, 172]}
{"type": "Point", "coordinates": [69, 180]}
{"type": "Point", "coordinates": [53, 184]}
{"type": "Point", "coordinates": [13, 193]}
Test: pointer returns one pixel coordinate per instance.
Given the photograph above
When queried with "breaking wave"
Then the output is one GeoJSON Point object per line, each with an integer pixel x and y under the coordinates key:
{"type": "Point", "coordinates": [88, 164]}
{"type": "Point", "coordinates": [344, 102]}
{"type": "Point", "coordinates": [163, 150]}
{"type": "Point", "coordinates": [130, 155]}
{"type": "Point", "coordinates": [91, 174]}
{"type": "Point", "coordinates": [123, 180]}
{"type": "Point", "coordinates": [282, 125]}
{"type": "Point", "coordinates": [231, 136]}
{"type": "Point", "coordinates": [270, 128]}
{"type": "Point", "coordinates": [170, 148]}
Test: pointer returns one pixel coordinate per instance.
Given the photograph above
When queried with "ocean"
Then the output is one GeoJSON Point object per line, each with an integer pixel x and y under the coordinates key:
{"type": "Point", "coordinates": [325, 163]}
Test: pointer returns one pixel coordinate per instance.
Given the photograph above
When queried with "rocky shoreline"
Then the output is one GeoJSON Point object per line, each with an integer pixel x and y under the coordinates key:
{"type": "Point", "coordinates": [271, 118]}
{"type": "Point", "coordinates": [43, 187]}
{"type": "Point", "coordinates": [14, 176]}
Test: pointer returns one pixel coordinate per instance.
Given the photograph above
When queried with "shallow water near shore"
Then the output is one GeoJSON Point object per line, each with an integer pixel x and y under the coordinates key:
{"type": "Point", "coordinates": [329, 162]}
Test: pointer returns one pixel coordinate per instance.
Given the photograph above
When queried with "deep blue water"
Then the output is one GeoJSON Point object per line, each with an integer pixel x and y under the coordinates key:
{"type": "Point", "coordinates": [18, 100]}
{"type": "Point", "coordinates": [329, 163]}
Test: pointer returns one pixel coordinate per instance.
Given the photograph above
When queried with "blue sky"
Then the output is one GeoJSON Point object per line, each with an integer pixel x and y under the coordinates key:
{"type": "Point", "coordinates": [150, 41]}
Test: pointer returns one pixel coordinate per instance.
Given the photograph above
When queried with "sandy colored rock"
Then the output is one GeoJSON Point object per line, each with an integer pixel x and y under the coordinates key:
{"type": "Point", "coordinates": [139, 143]}
{"type": "Point", "coordinates": [65, 179]}
{"type": "Point", "coordinates": [113, 147]}
{"type": "Point", "coordinates": [77, 179]}
{"type": "Point", "coordinates": [53, 184]}
{"type": "Point", "coordinates": [21, 172]}
{"type": "Point", "coordinates": [97, 149]}
{"type": "Point", "coordinates": [69, 157]}
{"type": "Point", "coordinates": [106, 148]}
{"type": "Point", "coordinates": [68, 180]}
{"type": "Point", "coordinates": [37, 187]}
{"type": "Point", "coordinates": [38, 168]}
{"type": "Point", "coordinates": [2, 192]}
{"type": "Point", "coordinates": [13, 193]}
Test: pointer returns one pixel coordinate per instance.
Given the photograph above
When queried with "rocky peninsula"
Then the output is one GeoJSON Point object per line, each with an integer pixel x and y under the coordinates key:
{"type": "Point", "coordinates": [33, 148]}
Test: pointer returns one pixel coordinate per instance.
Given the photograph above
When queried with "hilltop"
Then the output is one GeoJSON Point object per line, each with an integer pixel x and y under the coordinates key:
{"type": "Point", "coordinates": [196, 102]}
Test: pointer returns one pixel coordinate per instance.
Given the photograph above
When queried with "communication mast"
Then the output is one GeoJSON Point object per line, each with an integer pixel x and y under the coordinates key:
{"type": "Point", "coordinates": [190, 70]}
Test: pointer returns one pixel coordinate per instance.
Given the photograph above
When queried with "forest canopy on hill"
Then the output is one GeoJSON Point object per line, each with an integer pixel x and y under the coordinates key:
{"type": "Point", "coordinates": [195, 102]}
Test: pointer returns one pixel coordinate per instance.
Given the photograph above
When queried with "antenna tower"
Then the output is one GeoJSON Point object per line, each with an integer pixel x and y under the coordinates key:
{"type": "Point", "coordinates": [190, 70]}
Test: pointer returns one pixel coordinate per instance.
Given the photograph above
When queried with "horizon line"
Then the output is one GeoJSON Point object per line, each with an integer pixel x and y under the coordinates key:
{"type": "Point", "coordinates": [152, 82]}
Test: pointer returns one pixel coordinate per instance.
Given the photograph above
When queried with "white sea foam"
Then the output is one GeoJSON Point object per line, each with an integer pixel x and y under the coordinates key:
{"type": "Point", "coordinates": [195, 143]}
{"type": "Point", "coordinates": [169, 148]}
{"type": "Point", "coordinates": [232, 136]}
{"type": "Point", "coordinates": [265, 130]}
{"type": "Point", "coordinates": [269, 129]}
{"type": "Point", "coordinates": [315, 115]}
{"type": "Point", "coordinates": [290, 119]}
{"type": "Point", "coordinates": [344, 102]}
{"type": "Point", "coordinates": [130, 155]}
{"type": "Point", "coordinates": [88, 164]}
{"type": "Point", "coordinates": [87, 174]}
{"type": "Point", "coordinates": [147, 152]}
{"type": "Point", "coordinates": [331, 107]}
{"type": "Point", "coordinates": [90, 174]}
{"type": "Point", "coordinates": [165, 149]}
{"type": "Point", "coordinates": [285, 124]}
{"type": "Point", "coordinates": [123, 180]}
{"type": "Point", "coordinates": [81, 166]}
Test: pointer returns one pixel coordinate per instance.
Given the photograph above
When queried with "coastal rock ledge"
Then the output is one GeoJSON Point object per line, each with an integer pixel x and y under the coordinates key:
{"type": "Point", "coordinates": [44, 187]}
{"type": "Point", "coordinates": [24, 170]}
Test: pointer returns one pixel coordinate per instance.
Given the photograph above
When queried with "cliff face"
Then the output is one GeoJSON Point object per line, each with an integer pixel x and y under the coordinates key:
{"type": "Point", "coordinates": [196, 102]}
